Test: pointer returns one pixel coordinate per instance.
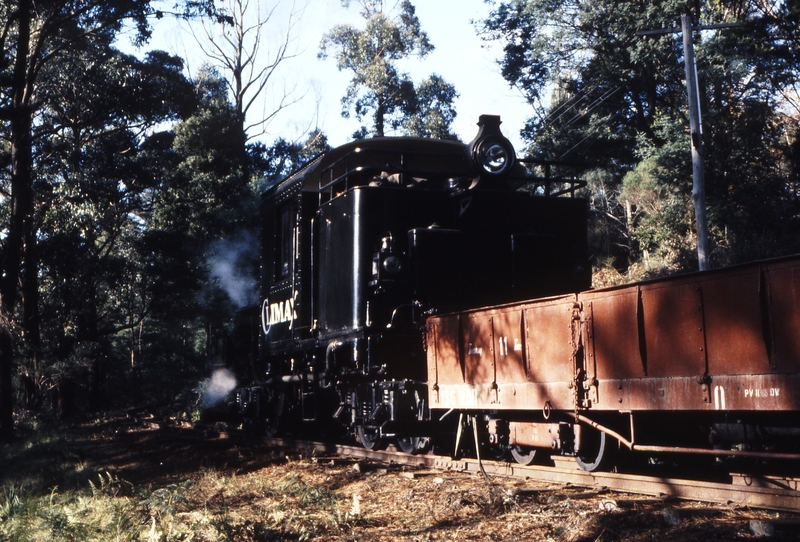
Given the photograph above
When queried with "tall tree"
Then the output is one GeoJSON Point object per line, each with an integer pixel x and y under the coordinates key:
{"type": "Point", "coordinates": [275, 162]}
{"type": "Point", "coordinates": [430, 112]}
{"type": "Point", "coordinates": [91, 186]}
{"type": "Point", "coordinates": [378, 90]}
{"type": "Point", "coordinates": [248, 45]}
{"type": "Point", "coordinates": [33, 36]}
{"type": "Point", "coordinates": [615, 102]}
{"type": "Point", "coordinates": [211, 183]}
{"type": "Point", "coordinates": [36, 35]}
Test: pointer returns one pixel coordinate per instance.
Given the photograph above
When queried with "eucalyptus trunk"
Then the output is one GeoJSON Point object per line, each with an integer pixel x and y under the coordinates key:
{"type": "Point", "coordinates": [21, 209]}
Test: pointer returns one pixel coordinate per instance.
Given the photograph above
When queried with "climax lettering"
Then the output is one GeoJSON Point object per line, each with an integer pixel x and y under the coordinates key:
{"type": "Point", "coordinates": [279, 312]}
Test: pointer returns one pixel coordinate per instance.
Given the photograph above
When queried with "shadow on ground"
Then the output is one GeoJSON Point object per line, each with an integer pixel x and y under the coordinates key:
{"type": "Point", "coordinates": [140, 452]}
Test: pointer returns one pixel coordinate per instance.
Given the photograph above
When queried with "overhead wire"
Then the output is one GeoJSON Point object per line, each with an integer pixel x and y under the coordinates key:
{"type": "Point", "coordinates": [573, 102]}
{"type": "Point", "coordinates": [594, 105]}
{"type": "Point", "coordinates": [578, 97]}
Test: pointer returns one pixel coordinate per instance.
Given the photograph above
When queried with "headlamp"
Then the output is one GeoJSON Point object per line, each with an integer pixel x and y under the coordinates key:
{"type": "Point", "coordinates": [494, 157]}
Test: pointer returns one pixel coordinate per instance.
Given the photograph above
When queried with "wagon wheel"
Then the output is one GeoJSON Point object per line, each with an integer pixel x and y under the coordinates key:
{"type": "Point", "coordinates": [369, 438]}
{"type": "Point", "coordinates": [525, 455]}
{"type": "Point", "coordinates": [414, 445]}
{"type": "Point", "coordinates": [597, 450]}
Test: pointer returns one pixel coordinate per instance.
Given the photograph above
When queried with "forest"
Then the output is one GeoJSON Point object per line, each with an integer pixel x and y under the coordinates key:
{"type": "Point", "coordinates": [129, 190]}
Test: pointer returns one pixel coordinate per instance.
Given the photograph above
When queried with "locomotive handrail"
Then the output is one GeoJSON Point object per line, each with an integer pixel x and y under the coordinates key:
{"type": "Point", "coordinates": [357, 162]}
{"type": "Point", "coordinates": [388, 168]}
{"type": "Point", "coordinates": [363, 165]}
{"type": "Point", "coordinates": [548, 182]}
{"type": "Point", "coordinates": [548, 185]}
{"type": "Point", "coordinates": [328, 183]}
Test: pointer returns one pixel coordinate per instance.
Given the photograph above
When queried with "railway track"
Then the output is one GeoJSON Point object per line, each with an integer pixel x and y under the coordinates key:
{"type": "Point", "coordinates": [768, 492]}
{"type": "Point", "coordinates": [737, 490]}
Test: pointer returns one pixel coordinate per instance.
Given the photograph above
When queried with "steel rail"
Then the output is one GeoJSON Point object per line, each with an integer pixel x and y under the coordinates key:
{"type": "Point", "coordinates": [742, 490]}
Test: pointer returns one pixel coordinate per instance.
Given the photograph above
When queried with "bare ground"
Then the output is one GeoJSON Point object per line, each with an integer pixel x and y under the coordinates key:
{"type": "Point", "coordinates": [183, 485]}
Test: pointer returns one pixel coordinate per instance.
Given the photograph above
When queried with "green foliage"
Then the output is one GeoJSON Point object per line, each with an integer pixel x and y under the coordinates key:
{"type": "Point", "coordinates": [658, 203]}
{"type": "Point", "coordinates": [124, 218]}
{"type": "Point", "coordinates": [166, 501]}
{"type": "Point", "coordinates": [274, 163]}
{"type": "Point", "coordinates": [78, 191]}
{"type": "Point", "coordinates": [293, 485]}
{"type": "Point", "coordinates": [95, 187]}
{"type": "Point", "coordinates": [614, 101]}
{"type": "Point", "coordinates": [11, 505]}
{"type": "Point", "coordinates": [431, 111]}
{"type": "Point", "coordinates": [112, 510]}
{"type": "Point", "coordinates": [378, 90]}
{"type": "Point", "coordinates": [110, 485]}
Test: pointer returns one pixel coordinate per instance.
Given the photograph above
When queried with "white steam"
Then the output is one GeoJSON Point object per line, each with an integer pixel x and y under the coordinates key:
{"type": "Point", "coordinates": [229, 263]}
{"type": "Point", "coordinates": [213, 390]}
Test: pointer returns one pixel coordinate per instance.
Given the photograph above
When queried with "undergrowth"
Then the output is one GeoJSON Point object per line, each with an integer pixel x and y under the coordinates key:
{"type": "Point", "coordinates": [215, 507]}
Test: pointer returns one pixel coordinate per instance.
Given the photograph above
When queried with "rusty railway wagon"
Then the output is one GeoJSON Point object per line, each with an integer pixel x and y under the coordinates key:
{"type": "Point", "coordinates": [705, 363]}
{"type": "Point", "coordinates": [376, 257]}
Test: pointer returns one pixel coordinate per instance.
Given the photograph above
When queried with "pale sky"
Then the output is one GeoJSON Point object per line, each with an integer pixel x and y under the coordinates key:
{"type": "Point", "coordinates": [460, 57]}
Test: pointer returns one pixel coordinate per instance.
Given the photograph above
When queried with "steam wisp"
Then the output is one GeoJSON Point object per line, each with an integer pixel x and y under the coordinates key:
{"type": "Point", "coordinates": [229, 265]}
{"type": "Point", "coordinates": [214, 389]}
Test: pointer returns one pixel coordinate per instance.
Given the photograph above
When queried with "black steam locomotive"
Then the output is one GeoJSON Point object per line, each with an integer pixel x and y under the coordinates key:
{"type": "Point", "coordinates": [410, 281]}
{"type": "Point", "coordinates": [369, 239]}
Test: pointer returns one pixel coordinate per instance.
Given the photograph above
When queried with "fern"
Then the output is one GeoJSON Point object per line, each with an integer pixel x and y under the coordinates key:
{"type": "Point", "coordinates": [111, 486]}
{"type": "Point", "coordinates": [165, 501]}
{"type": "Point", "coordinates": [10, 503]}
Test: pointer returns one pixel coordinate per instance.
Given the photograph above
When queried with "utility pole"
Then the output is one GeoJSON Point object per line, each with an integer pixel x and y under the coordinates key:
{"type": "Point", "coordinates": [695, 129]}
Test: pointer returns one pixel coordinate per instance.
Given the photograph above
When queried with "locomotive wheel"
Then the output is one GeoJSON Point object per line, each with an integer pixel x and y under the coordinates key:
{"type": "Point", "coordinates": [597, 452]}
{"type": "Point", "coordinates": [528, 456]}
{"type": "Point", "coordinates": [369, 438]}
{"type": "Point", "coordinates": [414, 445]}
